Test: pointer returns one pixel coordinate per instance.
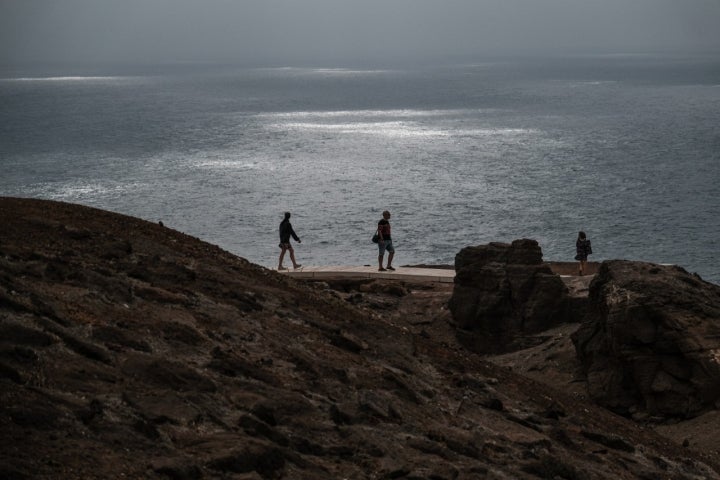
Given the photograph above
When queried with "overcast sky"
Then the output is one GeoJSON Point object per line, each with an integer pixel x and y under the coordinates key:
{"type": "Point", "coordinates": [346, 30]}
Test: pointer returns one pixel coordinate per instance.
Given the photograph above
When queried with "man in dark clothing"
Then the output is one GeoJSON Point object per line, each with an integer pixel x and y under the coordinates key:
{"type": "Point", "coordinates": [385, 242]}
{"type": "Point", "coordinates": [286, 231]}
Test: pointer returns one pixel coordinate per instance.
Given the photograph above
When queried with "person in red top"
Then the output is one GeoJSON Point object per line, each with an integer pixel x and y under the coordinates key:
{"type": "Point", "coordinates": [385, 242]}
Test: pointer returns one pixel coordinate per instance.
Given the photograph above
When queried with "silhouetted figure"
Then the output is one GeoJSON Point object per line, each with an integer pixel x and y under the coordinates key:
{"type": "Point", "coordinates": [286, 231]}
{"type": "Point", "coordinates": [583, 249]}
{"type": "Point", "coordinates": [385, 242]}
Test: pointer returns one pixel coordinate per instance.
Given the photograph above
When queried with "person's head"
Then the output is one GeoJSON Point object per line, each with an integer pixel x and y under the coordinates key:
{"type": "Point", "coordinates": [287, 215]}
{"type": "Point", "coordinates": [386, 214]}
{"type": "Point", "coordinates": [581, 235]}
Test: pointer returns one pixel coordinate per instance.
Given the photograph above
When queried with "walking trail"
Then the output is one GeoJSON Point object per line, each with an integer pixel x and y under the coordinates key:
{"type": "Point", "coordinates": [411, 274]}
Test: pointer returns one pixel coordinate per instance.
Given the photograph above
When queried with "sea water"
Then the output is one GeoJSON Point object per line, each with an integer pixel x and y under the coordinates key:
{"type": "Point", "coordinates": [625, 148]}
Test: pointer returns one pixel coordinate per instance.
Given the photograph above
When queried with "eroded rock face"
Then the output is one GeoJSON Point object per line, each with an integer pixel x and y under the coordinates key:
{"type": "Point", "coordinates": [653, 340]}
{"type": "Point", "coordinates": [504, 291]}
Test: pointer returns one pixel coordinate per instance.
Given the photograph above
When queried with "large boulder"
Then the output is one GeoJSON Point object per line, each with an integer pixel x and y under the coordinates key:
{"type": "Point", "coordinates": [504, 292]}
{"type": "Point", "coordinates": [652, 341]}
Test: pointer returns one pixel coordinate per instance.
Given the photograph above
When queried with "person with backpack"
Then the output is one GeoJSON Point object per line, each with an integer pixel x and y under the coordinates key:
{"type": "Point", "coordinates": [583, 248]}
{"type": "Point", "coordinates": [385, 242]}
{"type": "Point", "coordinates": [286, 231]}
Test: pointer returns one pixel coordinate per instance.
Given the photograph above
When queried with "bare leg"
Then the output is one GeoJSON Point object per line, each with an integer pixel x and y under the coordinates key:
{"type": "Point", "coordinates": [380, 262]}
{"type": "Point", "coordinates": [582, 267]}
{"type": "Point", "coordinates": [282, 255]}
{"type": "Point", "coordinates": [390, 257]}
{"type": "Point", "coordinates": [292, 258]}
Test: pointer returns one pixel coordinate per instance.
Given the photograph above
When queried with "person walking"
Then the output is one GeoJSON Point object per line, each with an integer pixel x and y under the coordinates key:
{"type": "Point", "coordinates": [286, 231]}
{"type": "Point", "coordinates": [385, 242]}
{"type": "Point", "coordinates": [583, 249]}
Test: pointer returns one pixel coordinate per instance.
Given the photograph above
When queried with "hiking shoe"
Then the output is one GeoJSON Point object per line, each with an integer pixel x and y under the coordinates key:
{"type": "Point", "coordinates": [297, 266]}
{"type": "Point", "coordinates": [390, 268]}
{"type": "Point", "coordinates": [381, 269]}
{"type": "Point", "coordinates": [282, 268]}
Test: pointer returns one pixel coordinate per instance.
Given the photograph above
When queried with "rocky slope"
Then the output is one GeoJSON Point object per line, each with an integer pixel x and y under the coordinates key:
{"type": "Point", "coordinates": [130, 350]}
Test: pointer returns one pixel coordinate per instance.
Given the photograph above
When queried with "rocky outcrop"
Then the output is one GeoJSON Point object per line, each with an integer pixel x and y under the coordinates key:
{"type": "Point", "coordinates": [652, 342]}
{"type": "Point", "coordinates": [504, 292]}
{"type": "Point", "coordinates": [130, 350]}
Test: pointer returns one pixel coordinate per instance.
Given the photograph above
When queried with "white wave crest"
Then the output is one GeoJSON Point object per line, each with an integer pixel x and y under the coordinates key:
{"type": "Point", "coordinates": [65, 79]}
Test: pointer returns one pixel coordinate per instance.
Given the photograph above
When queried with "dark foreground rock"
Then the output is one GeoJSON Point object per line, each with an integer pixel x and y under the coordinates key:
{"type": "Point", "coordinates": [652, 341]}
{"type": "Point", "coordinates": [129, 350]}
{"type": "Point", "coordinates": [504, 293]}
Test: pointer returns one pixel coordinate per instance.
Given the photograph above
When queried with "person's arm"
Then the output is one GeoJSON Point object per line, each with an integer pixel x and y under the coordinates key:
{"type": "Point", "coordinates": [292, 232]}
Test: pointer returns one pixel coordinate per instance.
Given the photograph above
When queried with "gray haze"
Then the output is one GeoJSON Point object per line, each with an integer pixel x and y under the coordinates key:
{"type": "Point", "coordinates": [346, 30]}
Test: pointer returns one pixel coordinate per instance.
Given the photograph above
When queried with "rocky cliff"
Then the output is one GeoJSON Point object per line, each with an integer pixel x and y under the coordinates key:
{"type": "Point", "coordinates": [651, 342]}
{"type": "Point", "coordinates": [648, 337]}
{"type": "Point", "coordinates": [505, 292]}
{"type": "Point", "coordinates": [130, 350]}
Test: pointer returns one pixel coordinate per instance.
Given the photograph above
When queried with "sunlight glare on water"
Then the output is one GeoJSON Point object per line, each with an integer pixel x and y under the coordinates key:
{"type": "Point", "coordinates": [460, 155]}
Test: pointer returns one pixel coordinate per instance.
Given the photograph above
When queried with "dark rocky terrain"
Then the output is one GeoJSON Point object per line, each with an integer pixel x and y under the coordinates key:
{"type": "Point", "coordinates": [130, 350]}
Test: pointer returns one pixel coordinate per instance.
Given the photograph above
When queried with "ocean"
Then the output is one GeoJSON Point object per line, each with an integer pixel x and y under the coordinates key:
{"type": "Point", "coordinates": [623, 147]}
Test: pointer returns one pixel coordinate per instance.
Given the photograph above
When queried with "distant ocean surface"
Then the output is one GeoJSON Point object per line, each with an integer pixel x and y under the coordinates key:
{"type": "Point", "coordinates": [626, 148]}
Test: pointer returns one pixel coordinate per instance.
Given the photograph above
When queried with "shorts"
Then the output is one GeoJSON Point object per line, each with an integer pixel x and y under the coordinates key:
{"type": "Point", "coordinates": [386, 245]}
{"type": "Point", "coordinates": [286, 246]}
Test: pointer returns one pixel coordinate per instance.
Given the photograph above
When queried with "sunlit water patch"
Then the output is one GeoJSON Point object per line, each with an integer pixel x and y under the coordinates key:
{"type": "Point", "coordinates": [461, 156]}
